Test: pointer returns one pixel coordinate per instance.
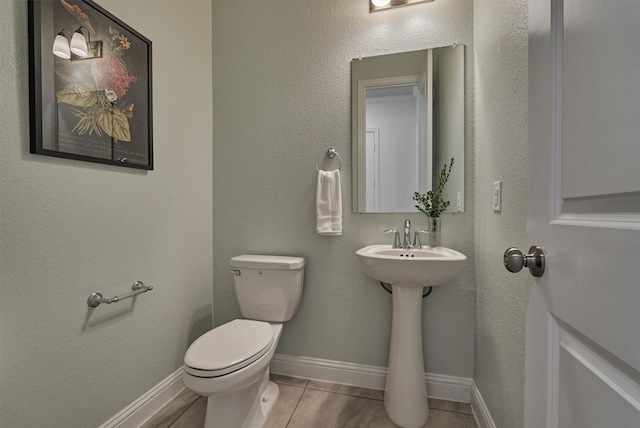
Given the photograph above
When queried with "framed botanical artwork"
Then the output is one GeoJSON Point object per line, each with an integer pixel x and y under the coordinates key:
{"type": "Point", "coordinates": [89, 85]}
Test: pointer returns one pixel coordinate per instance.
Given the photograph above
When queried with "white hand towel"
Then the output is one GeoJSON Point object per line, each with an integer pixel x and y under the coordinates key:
{"type": "Point", "coordinates": [329, 203]}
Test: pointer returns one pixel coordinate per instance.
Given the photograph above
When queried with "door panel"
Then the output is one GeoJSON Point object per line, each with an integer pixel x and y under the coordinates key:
{"type": "Point", "coordinates": [607, 399]}
{"type": "Point", "coordinates": [583, 320]}
{"type": "Point", "coordinates": [600, 62]}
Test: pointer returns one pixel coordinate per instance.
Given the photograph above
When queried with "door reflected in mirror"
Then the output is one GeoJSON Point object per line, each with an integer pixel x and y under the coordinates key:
{"type": "Point", "coordinates": [408, 118]}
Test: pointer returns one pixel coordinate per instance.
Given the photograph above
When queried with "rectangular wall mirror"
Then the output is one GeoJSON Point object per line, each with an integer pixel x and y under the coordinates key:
{"type": "Point", "coordinates": [407, 122]}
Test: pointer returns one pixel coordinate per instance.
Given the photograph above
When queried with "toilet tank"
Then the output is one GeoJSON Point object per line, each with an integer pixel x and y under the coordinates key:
{"type": "Point", "coordinates": [268, 288]}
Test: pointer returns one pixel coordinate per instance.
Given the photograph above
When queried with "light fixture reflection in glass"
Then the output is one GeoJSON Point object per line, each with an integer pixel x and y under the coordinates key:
{"type": "Point", "coordinates": [377, 5]}
{"type": "Point", "coordinates": [78, 46]}
{"type": "Point", "coordinates": [61, 46]}
{"type": "Point", "coordinates": [78, 43]}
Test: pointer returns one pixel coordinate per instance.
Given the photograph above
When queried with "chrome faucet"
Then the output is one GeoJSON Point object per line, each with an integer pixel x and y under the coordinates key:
{"type": "Point", "coordinates": [406, 238]}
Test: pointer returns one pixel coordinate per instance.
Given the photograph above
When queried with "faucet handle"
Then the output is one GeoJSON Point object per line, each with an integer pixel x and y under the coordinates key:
{"type": "Point", "coordinates": [396, 239]}
{"type": "Point", "coordinates": [416, 238]}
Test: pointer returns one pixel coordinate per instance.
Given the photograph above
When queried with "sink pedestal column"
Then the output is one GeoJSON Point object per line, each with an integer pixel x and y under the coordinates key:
{"type": "Point", "coordinates": [405, 396]}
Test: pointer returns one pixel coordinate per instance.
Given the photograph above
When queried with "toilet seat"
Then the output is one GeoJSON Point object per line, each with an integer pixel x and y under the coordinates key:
{"type": "Point", "coordinates": [228, 348]}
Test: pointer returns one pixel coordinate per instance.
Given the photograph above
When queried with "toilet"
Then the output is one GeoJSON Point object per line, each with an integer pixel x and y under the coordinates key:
{"type": "Point", "coordinates": [230, 364]}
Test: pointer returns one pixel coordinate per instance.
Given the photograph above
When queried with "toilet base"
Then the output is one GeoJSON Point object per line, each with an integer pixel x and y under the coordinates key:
{"type": "Point", "coordinates": [248, 408]}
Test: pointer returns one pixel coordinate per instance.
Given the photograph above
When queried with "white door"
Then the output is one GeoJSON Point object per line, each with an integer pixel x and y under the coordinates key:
{"type": "Point", "coordinates": [583, 318]}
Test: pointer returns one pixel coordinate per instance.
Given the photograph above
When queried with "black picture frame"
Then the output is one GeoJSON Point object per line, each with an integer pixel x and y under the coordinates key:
{"type": "Point", "coordinates": [96, 108]}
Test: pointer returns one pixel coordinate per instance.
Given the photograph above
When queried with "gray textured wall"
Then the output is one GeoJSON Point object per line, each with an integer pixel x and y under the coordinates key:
{"type": "Point", "coordinates": [68, 228]}
{"type": "Point", "coordinates": [281, 98]}
{"type": "Point", "coordinates": [501, 154]}
{"type": "Point", "coordinates": [281, 82]}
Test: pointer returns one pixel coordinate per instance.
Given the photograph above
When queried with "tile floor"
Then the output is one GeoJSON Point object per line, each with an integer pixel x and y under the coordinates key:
{"type": "Point", "coordinates": [312, 404]}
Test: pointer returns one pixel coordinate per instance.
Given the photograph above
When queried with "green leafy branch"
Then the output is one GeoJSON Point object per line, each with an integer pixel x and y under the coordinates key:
{"type": "Point", "coordinates": [431, 203]}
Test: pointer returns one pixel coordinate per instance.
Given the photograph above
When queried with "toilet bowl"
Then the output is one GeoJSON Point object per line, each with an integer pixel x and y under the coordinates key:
{"type": "Point", "coordinates": [238, 379]}
{"type": "Point", "coordinates": [230, 364]}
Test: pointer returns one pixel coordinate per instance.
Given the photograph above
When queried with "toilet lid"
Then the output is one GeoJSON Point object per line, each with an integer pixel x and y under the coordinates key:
{"type": "Point", "coordinates": [229, 347]}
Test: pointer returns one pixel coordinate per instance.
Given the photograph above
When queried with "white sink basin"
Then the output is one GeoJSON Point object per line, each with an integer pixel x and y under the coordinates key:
{"type": "Point", "coordinates": [424, 267]}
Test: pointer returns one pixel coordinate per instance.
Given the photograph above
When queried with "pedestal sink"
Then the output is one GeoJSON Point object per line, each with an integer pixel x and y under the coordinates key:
{"type": "Point", "coordinates": [408, 271]}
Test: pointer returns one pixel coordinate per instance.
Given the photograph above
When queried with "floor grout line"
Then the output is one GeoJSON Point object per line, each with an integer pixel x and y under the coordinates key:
{"type": "Point", "coordinates": [185, 411]}
{"type": "Point", "coordinates": [346, 394]}
{"type": "Point", "coordinates": [296, 406]}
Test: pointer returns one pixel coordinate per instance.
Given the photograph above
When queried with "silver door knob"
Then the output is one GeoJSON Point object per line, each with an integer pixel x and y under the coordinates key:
{"type": "Point", "coordinates": [514, 261]}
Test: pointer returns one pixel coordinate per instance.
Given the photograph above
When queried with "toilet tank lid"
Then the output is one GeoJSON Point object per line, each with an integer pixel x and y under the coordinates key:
{"type": "Point", "coordinates": [267, 262]}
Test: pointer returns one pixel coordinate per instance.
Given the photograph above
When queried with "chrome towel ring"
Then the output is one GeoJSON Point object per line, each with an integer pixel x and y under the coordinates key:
{"type": "Point", "coordinates": [331, 153]}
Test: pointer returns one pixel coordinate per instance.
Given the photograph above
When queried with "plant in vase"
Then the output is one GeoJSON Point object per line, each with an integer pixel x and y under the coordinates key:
{"type": "Point", "coordinates": [432, 204]}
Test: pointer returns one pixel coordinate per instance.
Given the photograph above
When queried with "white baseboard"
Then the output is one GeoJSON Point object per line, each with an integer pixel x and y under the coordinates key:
{"type": "Point", "coordinates": [361, 375]}
{"type": "Point", "coordinates": [438, 386]}
{"type": "Point", "coordinates": [445, 387]}
{"type": "Point", "coordinates": [136, 413]}
{"type": "Point", "coordinates": [480, 410]}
